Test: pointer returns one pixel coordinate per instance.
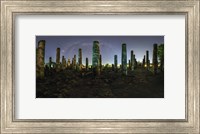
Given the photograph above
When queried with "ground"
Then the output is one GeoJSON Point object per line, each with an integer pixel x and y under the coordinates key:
{"type": "Point", "coordinates": [110, 84]}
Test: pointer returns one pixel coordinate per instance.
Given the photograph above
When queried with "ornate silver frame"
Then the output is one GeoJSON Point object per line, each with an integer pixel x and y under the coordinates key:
{"type": "Point", "coordinates": [10, 8]}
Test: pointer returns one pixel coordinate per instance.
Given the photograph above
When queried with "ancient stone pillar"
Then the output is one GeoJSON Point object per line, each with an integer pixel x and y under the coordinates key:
{"type": "Point", "coordinates": [129, 64]}
{"type": "Point", "coordinates": [74, 62]}
{"type": "Point", "coordinates": [80, 59]}
{"type": "Point", "coordinates": [72, 65]}
{"type": "Point", "coordinates": [143, 62]}
{"type": "Point", "coordinates": [113, 67]}
{"type": "Point", "coordinates": [147, 60]}
{"type": "Point", "coordinates": [87, 68]}
{"type": "Point", "coordinates": [68, 63]}
{"type": "Point", "coordinates": [58, 56]}
{"type": "Point", "coordinates": [50, 59]}
{"type": "Point", "coordinates": [40, 53]}
{"type": "Point", "coordinates": [64, 63]}
{"type": "Point", "coordinates": [161, 56]}
{"type": "Point", "coordinates": [100, 62]}
{"type": "Point", "coordinates": [63, 58]}
{"type": "Point", "coordinates": [132, 61]}
{"type": "Point", "coordinates": [155, 59]}
{"type": "Point", "coordinates": [50, 62]}
{"type": "Point", "coordinates": [58, 66]}
{"type": "Point", "coordinates": [96, 58]}
{"type": "Point", "coordinates": [115, 62]}
{"type": "Point", "coordinates": [124, 59]}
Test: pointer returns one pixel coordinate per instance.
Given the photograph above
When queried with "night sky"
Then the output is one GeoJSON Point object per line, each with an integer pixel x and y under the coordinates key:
{"type": "Point", "coordinates": [109, 46]}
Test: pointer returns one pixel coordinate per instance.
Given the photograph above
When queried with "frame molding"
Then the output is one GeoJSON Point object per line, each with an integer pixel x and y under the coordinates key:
{"type": "Point", "coordinates": [11, 8]}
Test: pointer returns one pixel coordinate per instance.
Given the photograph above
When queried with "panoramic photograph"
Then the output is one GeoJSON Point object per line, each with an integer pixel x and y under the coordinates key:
{"type": "Point", "coordinates": [99, 66]}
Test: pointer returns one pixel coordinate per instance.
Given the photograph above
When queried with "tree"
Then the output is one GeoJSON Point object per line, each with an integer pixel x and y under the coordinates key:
{"type": "Point", "coordinates": [161, 56]}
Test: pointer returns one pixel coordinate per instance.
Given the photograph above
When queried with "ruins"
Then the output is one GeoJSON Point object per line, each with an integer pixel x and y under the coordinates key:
{"type": "Point", "coordinates": [96, 66]}
{"type": "Point", "coordinates": [92, 76]}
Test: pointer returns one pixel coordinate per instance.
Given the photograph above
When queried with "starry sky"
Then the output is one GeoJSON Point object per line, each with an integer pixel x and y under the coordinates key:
{"type": "Point", "coordinates": [109, 46]}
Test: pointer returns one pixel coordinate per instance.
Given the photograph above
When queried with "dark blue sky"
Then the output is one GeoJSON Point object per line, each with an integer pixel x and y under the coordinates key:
{"type": "Point", "coordinates": [109, 46]}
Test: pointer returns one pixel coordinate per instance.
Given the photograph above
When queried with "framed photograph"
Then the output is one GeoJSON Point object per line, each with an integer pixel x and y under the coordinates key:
{"type": "Point", "coordinates": [86, 68]}
{"type": "Point", "coordinates": [100, 66]}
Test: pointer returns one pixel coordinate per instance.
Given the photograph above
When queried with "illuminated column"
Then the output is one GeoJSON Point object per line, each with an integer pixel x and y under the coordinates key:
{"type": "Point", "coordinates": [147, 60]}
{"type": "Point", "coordinates": [40, 53]}
{"type": "Point", "coordinates": [58, 66]}
{"type": "Point", "coordinates": [87, 64]}
{"type": "Point", "coordinates": [124, 59]}
{"type": "Point", "coordinates": [115, 62]}
{"type": "Point", "coordinates": [72, 65]}
{"type": "Point", "coordinates": [155, 60]}
{"type": "Point", "coordinates": [96, 58]}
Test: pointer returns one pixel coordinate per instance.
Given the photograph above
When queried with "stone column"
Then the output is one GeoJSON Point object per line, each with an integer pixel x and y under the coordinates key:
{"type": "Point", "coordinates": [100, 62]}
{"type": "Point", "coordinates": [143, 62]}
{"type": "Point", "coordinates": [155, 59]}
{"type": "Point", "coordinates": [147, 60]}
{"type": "Point", "coordinates": [129, 64]}
{"type": "Point", "coordinates": [87, 68]}
{"type": "Point", "coordinates": [80, 59]}
{"type": "Point", "coordinates": [74, 62]}
{"type": "Point", "coordinates": [115, 62]}
{"type": "Point", "coordinates": [132, 61]}
{"type": "Point", "coordinates": [124, 59]}
{"type": "Point", "coordinates": [96, 58]}
{"type": "Point", "coordinates": [113, 67]}
{"type": "Point", "coordinates": [63, 62]}
{"type": "Point", "coordinates": [161, 56]}
{"type": "Point", "coordinates": [58, 66]}
{"type": "Point", "coordinates": [58, 56]}
{"type": "Point", "coordinates": [68, 63]}
{"type": "Point", "coordinates": [40, 53]}
{"type": "Point", "coordinates": [50, 62]}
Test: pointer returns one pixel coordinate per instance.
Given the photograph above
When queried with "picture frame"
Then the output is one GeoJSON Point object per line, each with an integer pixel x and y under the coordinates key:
{"type": "Point", "coordinates": [9, 9]}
